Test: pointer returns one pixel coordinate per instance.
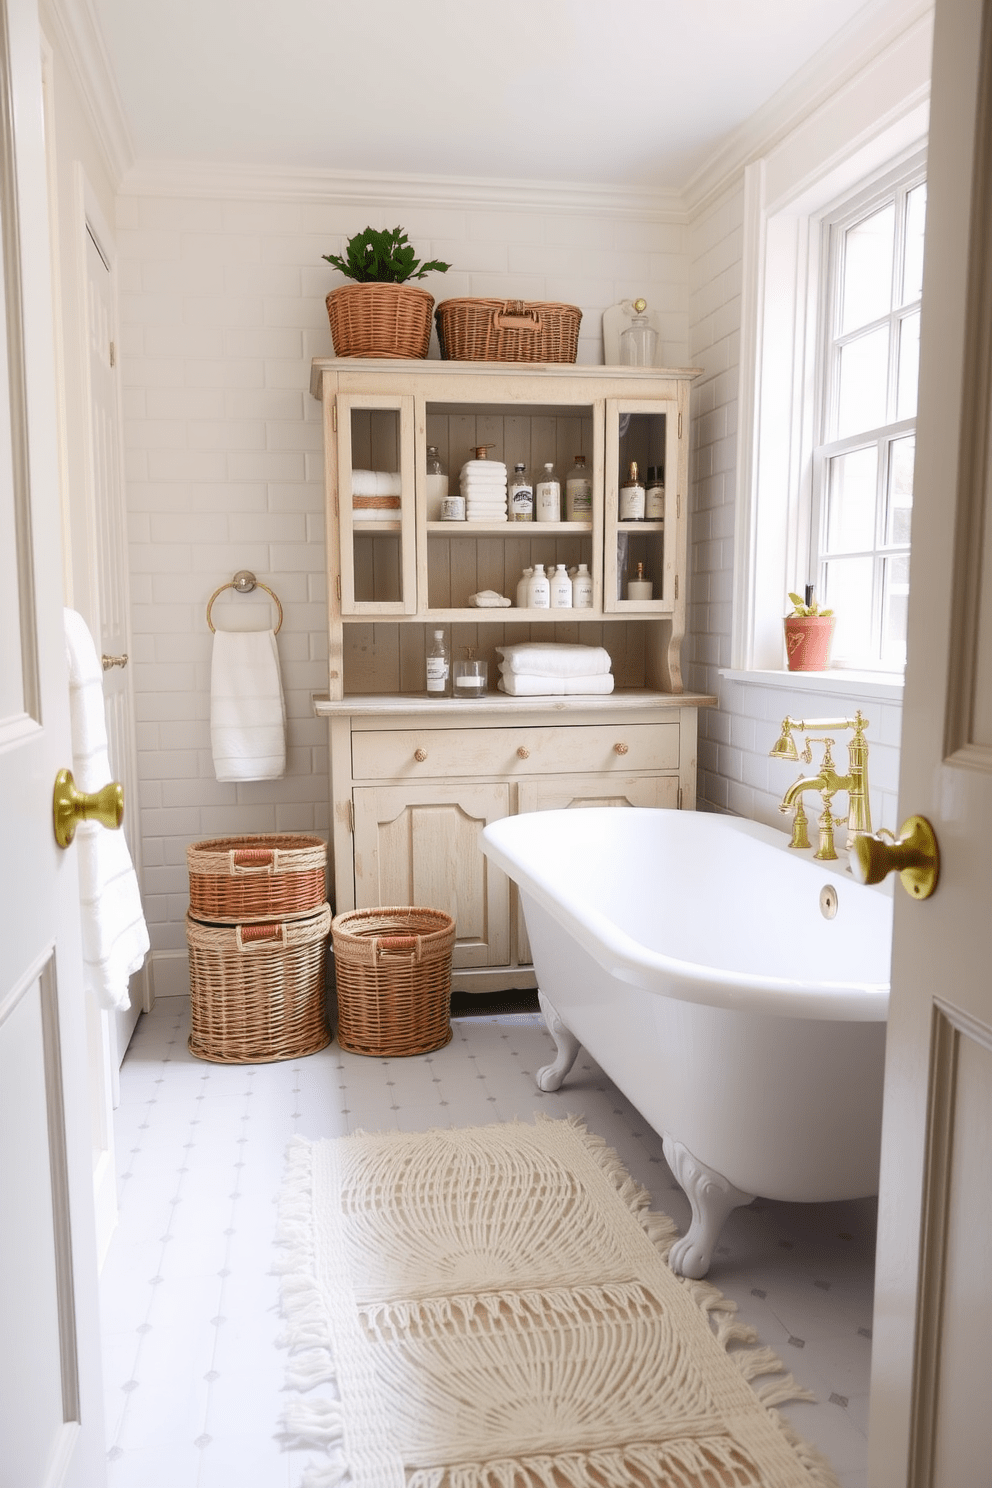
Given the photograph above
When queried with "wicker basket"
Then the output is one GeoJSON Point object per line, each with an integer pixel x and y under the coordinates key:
{"type": "Point", "coordinates": [380, 320]}
{"type": "Point", "coordinates": [258, 991]}
{"type": "Point", "coordinates": [240, 880]}
{"type": "Point", "coordinates": [507, 331]}
{"type": "Point", "coordinates": [393, 972]}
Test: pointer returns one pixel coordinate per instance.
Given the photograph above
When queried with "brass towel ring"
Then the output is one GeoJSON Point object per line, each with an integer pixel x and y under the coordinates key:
{"type": "Point", "coordinates": [243, 583]}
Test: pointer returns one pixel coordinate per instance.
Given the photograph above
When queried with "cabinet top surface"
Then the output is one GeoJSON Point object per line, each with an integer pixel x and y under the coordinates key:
{"type": "Point", "coordinates": [389, 369]}
{"type": "Point", "coordinates": [501, 709]}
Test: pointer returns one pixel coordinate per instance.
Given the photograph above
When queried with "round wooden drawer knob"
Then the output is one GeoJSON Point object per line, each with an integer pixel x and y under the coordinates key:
{"type": "Point", "coordinates": [420, 755]}
{"type": "Point", "coordinates": [523, 752]}
{"type": "Point", "coordinates": [620, 748]}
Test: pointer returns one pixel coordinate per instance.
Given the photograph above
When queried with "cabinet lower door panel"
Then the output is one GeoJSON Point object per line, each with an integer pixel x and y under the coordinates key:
{"type": "Point", "coordinates": [420, 846]}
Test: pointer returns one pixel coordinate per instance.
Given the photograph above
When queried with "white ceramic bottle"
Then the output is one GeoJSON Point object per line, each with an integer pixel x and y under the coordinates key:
{"type": "Point", "coordinates": [578, 492]}
{"type": "Point", "coordinates": [539, 590]}
{"type": "Point", "coordinates": [632, 497]}
{"type": "Point", "coordinates": [523, 585]}
{"type": "Point", "coordinates": [438, 667]}
{"type": "Point", "coordinates": [582, 589]}
{"type": "Point", "coordinates": [547, 495]}
{"type": "Point", "coordinates": [561, 589]}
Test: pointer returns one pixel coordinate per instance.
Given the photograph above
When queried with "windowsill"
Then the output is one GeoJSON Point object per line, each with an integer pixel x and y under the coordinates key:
{"type": "Point", "coordinates": [881, 687]}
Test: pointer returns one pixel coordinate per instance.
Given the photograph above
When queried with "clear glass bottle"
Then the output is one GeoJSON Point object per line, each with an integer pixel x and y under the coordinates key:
{"type": "Point", "coordinates": [639, 341]}
{"type": "Point", "coordinates": [438, 667]}
{"type": "Point", "coordinates": [561, 589]}
{"type": "Point", "coordinates": [582, 589]}
{"type": "Point", "coordinates": [437, 484]}
{"type": "Point", "coordinates": [521, 495]}
{"type": "Point", "coordinates": [547, 495]}
{"type": "Point", "coordinates": [632, 496]}
{"type": "Point", "coordinates": [538, 589]}
{"type": "Point", "coordinates": [654, 494]}
{"type": "Point", "coordinates": [578, 492]}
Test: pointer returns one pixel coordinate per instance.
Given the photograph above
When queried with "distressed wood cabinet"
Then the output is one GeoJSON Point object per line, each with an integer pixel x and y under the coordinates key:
{"type": "Point", "coordinates": [413, 779]}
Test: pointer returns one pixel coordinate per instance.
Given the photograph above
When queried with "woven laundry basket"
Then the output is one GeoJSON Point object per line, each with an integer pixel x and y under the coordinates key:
{"type": "Point", "coordinates": [476, 330]}
{"type": "Point", "coordinates": [242, 880]}
{"type": "Point", "coordinates": [393, 974]}
{"type": "Point", "coordinates": [257, 992]}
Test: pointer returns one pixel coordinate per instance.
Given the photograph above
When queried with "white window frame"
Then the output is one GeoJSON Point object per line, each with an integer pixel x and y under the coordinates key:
{"type": "Point", "coordinates": [892, 186]}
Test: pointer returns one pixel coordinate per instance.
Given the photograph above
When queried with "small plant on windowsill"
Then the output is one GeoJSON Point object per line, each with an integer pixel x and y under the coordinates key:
{"type": "Point", "coordinates": [381, 314]}
{"type": "Point", "coordinates": [808, 633]}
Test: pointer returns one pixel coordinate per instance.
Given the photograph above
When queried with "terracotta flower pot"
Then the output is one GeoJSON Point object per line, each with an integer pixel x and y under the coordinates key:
{"type": "Point", "coordinates": [807, 641]}
{"type": "Point", "coordinates": [380, 320]}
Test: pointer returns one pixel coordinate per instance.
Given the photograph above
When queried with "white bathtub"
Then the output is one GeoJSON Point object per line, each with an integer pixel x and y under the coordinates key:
{"type": "Point", "coordinates": [691, 955]}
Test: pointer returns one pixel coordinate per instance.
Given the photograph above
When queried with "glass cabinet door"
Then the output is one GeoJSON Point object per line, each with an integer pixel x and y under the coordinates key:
{"type": "Point", "coordinates": [376, 502]}
{"type": "Point", "coordinates": [641, 473]}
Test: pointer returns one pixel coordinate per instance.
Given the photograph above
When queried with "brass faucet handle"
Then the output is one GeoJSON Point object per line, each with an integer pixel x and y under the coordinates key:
{"type": "Point", "coordinates": [828, 744]}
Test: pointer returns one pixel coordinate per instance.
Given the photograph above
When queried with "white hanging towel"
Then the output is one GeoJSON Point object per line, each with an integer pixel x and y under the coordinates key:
{"type": "Point", "coordinates": [115, 936]}
{"type": "Point", "coordinates": [247, 710]}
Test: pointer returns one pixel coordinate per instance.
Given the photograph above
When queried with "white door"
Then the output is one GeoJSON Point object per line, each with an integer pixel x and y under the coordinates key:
{"type": "Point", "coordinates": [51, 1418]}
{"type": "Point", "coordinates": [931, 1422]}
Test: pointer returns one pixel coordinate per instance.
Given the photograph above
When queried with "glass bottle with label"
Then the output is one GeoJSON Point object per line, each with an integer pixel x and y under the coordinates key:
{"type": "Point", "coordinates": [547, 495]}
{"type": "Point", "coordinates": [654, 494]}
{"type": "Point", "coordinates": [578, 492]}
{"type": "Point", "coordinates": [437, 484]}
{"type": "Point", "coordinates": [438, 667]}
{"type": "Point", "coordinates": [632, 497]}
{"type": "Point", "coordinates": [521, 495]}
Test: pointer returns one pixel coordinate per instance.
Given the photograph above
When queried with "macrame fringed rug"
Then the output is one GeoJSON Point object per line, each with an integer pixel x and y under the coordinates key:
{"type": "Point", "coordinates": [491, 1307]}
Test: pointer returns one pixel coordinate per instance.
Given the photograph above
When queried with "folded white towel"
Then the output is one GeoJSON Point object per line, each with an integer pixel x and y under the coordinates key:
{"type": "Point", "coordinates": [115, 936]}
{"type": "Point", "coordinates": [486, 503]}
{"type": "Point", "coordinates": [375, 514]}
{"type": "Point", "coordinates": [483, 467]}
{"type": "Point", "coordinates": [247, 711]}
{"type": "Point", "coordinates": [485, 509]}
{"type": "Point", "coordinates": [488, 599]}
{"type": "Point", "coordinates": [479, 517]}
{"type": "Point", "coordinates": [375, 483]}
{"type": "Point", "coordinates": [521, 686]}
{"type": "Point", "coordinates": [555, 659]}
{"type": "Point", "coordinates": [482, 488]}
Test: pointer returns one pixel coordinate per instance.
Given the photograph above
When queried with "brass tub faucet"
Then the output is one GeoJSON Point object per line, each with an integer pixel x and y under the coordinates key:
{"type": "Point", "coordinates": [827, 782]}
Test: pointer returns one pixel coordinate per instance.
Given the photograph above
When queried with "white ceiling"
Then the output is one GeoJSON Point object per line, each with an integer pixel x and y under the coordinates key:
{"type": "Point", "coordinates": [631, 93]}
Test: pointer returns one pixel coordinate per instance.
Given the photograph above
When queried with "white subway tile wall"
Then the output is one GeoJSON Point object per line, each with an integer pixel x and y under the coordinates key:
{"type": "Point", "coordinates": [222, 310]}
{"type": "Point", "coordinates": [735, 771]}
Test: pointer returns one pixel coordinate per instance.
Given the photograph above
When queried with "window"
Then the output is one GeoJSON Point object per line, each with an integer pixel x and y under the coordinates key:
{"type": "Point", "coordinates": [863, 459]}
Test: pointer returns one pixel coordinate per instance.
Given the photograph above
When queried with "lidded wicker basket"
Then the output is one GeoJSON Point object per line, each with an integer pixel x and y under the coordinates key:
{"type": "Point", "coordinates": [380, 320]}
{"type": "Point", "coordinates": [257, 992]}
{"type": "Point", "coordinates": [270, 876]}
{"type": "Point", "coordinates": [393, 973]}
{"type": "Point", "coordinates": [477, 330]}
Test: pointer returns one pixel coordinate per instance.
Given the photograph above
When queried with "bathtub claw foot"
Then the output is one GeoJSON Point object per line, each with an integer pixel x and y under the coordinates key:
{"type": "Point", "coordinates": [712, 1197]}
{"type": "Point", "coordinates": [550, 1076]}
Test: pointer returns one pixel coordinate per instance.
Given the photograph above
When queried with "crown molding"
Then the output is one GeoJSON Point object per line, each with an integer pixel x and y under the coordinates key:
{"type": "Point", "coordinates": [351, 188]}
{"type": "Point", "coordinates": [855, 47]}
{"type": "Point", "coordinates": [74, 26]}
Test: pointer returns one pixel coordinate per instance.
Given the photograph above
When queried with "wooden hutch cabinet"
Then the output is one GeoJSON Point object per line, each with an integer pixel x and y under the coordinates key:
{"type": "Point", "coordinates": [414, 779]}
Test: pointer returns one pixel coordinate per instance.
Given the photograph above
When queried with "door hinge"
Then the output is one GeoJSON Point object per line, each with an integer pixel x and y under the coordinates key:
{"type": "Point", "coordinates": [113, 354]}
{"type": "Point", "coordinates": [334, 418]}
{"type": "Point", "coordinates": [680, 798]}
{"type": "Point", "coordinates": [680, 426]}
{"type": "Point", "coordinates": [337, 587]}
{"type": "Point", "coordinates": [351, 816]}
{"type": "Point", "coordinates": [678, 505]}
{"type": "Point", "coordinates": [676, 586]}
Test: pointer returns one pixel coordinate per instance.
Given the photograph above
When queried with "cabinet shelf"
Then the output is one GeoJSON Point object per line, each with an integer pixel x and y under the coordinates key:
{"type": "Point", "coordinates": [509, 529]}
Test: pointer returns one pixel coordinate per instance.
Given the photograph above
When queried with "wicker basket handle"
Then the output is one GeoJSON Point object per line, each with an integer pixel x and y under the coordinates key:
{"type": "Point", "coordinates": [252, 859]}
{"type": "Point", "coordinates": [516, 317]}
{"type": "Point", "coordinates": [249, 937]}
{"type": "Point", "coordinates": [392, 943]}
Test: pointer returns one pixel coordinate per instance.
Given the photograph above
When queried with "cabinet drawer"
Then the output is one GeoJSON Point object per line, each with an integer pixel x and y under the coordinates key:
{"type": "Point", "coordinates": [410, 754]}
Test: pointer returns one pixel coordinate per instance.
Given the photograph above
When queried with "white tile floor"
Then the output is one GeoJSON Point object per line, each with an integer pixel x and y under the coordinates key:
{"type": "Point", "coordinates": [193, 1373]}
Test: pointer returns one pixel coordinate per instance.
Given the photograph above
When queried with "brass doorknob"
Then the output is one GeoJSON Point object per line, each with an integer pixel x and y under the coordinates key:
{"type": "Point", "coordinates": [523, 752]}
{"type": "Point", "coordinates": [70, 807]}
{"type": "Point", "coordinates": [914, 855]}
{"type": "Point", "coordinates": [420, 755]}
{"type": "Point", "coordinates": [620, 748]}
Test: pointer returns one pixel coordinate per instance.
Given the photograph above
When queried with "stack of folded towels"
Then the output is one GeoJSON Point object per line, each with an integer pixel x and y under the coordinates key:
{"type": "Point", "coordinates": [375, 495]}
{"type": "Point", "coordinates": [538, 668]}
{"type": "Point", "coordinates": [483, 484]}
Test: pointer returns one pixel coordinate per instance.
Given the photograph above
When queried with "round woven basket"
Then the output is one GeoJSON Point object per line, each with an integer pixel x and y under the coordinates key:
{"type": "Point", "coordinates": [270, 876]}
{"type": "Point", "coordinates": [257, 992]}
{"type": "Point", "coordinates": [393, 974]}
{"type": "Point", "coordinates": [380, 320]}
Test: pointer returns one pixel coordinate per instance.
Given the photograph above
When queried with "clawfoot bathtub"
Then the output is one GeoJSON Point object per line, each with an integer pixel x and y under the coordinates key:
{"type": "Point", "coordinates": [734, 990]}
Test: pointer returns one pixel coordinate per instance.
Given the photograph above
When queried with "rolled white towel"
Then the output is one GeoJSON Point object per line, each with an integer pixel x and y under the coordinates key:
{"type": "Point", "coordinates": [521, 686]}
{"type": "Point", "coordinates": [375, 483]}
{"type": "Point", "coordinates": [488, 599]}
{"type": "Point", "coordinates": [554, 659]}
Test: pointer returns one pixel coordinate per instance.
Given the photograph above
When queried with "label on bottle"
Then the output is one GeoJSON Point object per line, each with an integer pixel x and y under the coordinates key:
{"type": "Point", "coordinates": [582, 592]}
{"type": "Point", "coordinates": [453, 509]}
{"type": "Point", "coordinates": [561, 592]}
{"type": "Point", "coordinates": [522, 503]}
{"type": "Point", "coordinates": [632, 503]}
{"type": "Point", "coordinates": [654, 503]}
{"type": "Point", "coordinates": [437, 673]}
{"type": "Point", "coordinates": [548, 501]}
{"type": "Point", "coordinates": [578, 497]}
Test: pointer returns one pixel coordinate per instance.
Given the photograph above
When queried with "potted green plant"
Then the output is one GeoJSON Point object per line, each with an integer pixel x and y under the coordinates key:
{"type": "Point", "coordinates": [808, 633]}
{"type": "Point", "coordinates": [380, 314]}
